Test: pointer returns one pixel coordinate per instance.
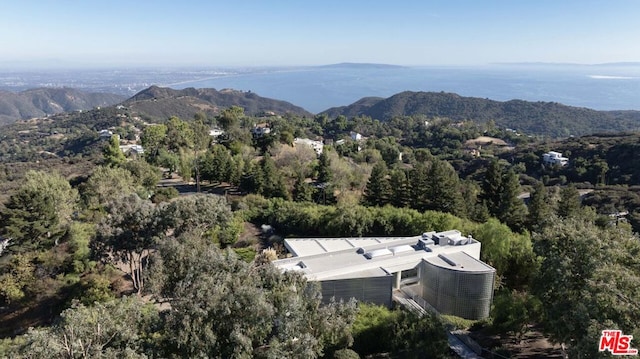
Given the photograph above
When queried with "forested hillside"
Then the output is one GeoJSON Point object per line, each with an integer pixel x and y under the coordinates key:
{"type": "Point", "coordinates": [47, 101]}
{"type": "Point", "coordinates": [549, 119]}
{"type": "Point", "coordinates": [162, 253]}
{"type": "Point", "coordinates": [160, 103]}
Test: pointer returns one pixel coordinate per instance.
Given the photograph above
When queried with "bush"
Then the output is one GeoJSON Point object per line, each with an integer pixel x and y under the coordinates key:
{"type": "Point", "coordinates": [457, 322]}
{"type": "Point", "coordinates": [95, 288]}
{"type": "Point", "coordinates": [247, 254]}
{"type": "Point", "coordinates": [164, 194]}
{"type": "Point", "coordinates": [345, 354]}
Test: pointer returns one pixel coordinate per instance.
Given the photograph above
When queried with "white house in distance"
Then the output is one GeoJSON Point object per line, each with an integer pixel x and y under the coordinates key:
{"type": "Point", "coordinates": [132, 150]}
{"type": "Point", "coordinates": [216, 132]}
{"type": "Point", "coordinates": [317, 146]}
{"type": "Point", "coordinates": [105, 134]}
{"type": "Point", "coordinates": [261, 129]}
{"type": "Point", "coordinates": [446, 267]}
{"type": "Point", "coordinates": [554, 158]}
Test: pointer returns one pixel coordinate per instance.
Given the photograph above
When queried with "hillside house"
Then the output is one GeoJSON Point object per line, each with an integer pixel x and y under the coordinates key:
{"type": "Point", "coordinates": [553, 158]}
{"type": "Point", "coordinates": [105, 134]}
{"type": "Point", "coordinates": [317, 146]}
{"type": "Point", "coordinates": [132, 150]}
{"type": "Point", "coordinates": [261, 129]}
{"type": "Point", "coordinates": [216, 132]}
{"type": "Point", "coordinates": [355, 136]}
{"type": "Point", "coordinates": [444, 269]}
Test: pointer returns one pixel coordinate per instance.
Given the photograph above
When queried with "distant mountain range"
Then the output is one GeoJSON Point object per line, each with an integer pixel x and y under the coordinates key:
{"type": "Point", "coordinates": [537, 118]}
{"type": "Point", "coordinates": [160, 103]}
{"type": "Point", "coordinates": [41, 102]}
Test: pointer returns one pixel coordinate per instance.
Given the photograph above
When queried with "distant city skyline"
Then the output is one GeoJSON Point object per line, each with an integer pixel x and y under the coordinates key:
{"type": "Point", "coordinates": [66, 34]}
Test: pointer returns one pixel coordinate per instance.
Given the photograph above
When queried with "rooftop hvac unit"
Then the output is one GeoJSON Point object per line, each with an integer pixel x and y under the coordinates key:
{"type": "Point", "coordinates": [425, 243]}
{"type": "Point", "coordinates": [457, 241]}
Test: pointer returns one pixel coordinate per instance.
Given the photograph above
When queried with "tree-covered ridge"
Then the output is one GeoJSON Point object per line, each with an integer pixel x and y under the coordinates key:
{"type": "Point", "coordinates": [548, 119]}
{"type": "Point", "coordinates": [159, 103]}
{"type": "Point", "coordinates": [42, 102]}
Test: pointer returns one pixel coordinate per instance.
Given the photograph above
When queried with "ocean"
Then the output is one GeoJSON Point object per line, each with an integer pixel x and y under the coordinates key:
{"type": "Point", "coordinates": [600, 87]}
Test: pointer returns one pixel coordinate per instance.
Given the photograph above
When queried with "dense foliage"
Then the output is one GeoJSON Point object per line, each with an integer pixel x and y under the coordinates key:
{"type": "Point", "coordinates": [82, 226]}
{"type": "Point", "coordinates": [540, 118]}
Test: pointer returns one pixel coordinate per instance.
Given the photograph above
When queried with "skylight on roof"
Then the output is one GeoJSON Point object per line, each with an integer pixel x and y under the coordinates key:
{"type": "Point", "coordinates": [377, 253]}
{"type": "Point", "coordinates": [401, 249]}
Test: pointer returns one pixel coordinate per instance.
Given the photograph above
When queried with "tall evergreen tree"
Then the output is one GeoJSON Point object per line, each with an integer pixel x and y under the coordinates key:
{"type": "Point", "coordinates": [201, 142]}
{"type": "Point", "coordinates": [302, 191]}
{"type": "Point", "coordinates": [418, 187]}
{"type": "Point", "coordinates": [400, 189]}
{"type": "Point", "coordinates": [443, 189]}
{"type": "Point", "coordinates": [113, 156]}
{"type": "Point", "coordinates": [274, 185]}
{"type": "Point", "coordinates": [324, 168]}
{"type": "Point", "coordinates": [153, 139]}
{"type": "Point", "coordinates": [222, 163]}
{"type": "Point", "coordinates": [252, 180]}
{"type": "Point", "coordinates": [378, 191]}
{"type": "Point", "coordinates": [511, 209]}
{"type": "Point", "coordinates": [569, 204]}
{"type": "Point", "coordinates": [492, 187]}
{"type": "Point", "coordinates": [539, 208]}
{"type": "Point", "coordinates": [475, 209]}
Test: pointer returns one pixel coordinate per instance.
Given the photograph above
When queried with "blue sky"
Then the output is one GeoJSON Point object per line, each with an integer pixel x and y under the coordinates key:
{"type": "Point", "coordinates": [273, 33]}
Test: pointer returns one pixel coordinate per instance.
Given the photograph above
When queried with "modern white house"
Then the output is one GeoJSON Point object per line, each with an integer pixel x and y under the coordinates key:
{"type": "Point", "coordinates": [553, 158]}
{"type": "Point", "coordinates": [317, 146]}
{"type": "Point", "coordinates": [446, 267]}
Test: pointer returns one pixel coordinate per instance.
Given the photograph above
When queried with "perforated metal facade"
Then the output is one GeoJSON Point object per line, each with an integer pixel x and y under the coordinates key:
{"type": "Point", "coordinates": [370, 290]}
{"type": "Point", "coordinates": [456, 290]}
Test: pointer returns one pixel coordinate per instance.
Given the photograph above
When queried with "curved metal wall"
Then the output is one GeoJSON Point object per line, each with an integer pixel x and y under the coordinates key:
{"type": "Point", "coordinates": [463, 294]}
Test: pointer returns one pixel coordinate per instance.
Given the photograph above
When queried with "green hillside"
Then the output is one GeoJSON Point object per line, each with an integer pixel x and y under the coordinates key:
{"type": "Point", "coordinates": [537, 118]}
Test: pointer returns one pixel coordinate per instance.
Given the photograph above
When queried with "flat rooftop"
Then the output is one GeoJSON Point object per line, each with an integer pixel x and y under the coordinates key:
{"type": "Point", "coordinates": [459, 261]}
{"type": "Point", "coordinates": [342, 258]}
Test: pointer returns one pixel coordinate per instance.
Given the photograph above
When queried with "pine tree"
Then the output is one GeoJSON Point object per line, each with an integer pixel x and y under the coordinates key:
{"type": "Point", "coordinates": [221, 163]}
{"type": "Point", "coordinates": [400, 195]}
{"type": "Point", "coordinates": [378, 191]}
{"type": "Point", "coordinates": [252, 180]}
{"type": "Point", "coordinates": [443, 189]}
{"type": "Point", "coordinates": [511, 209]}
{"type": "Point", "coordinates": [569, 204]}
{"type": "Point", "coordinates": [418, 187]}
{"type": "Point", "coordinates": [324, 168]}
{"type": "Point", "coordinates": [302, 191]}
{"type": "Point", "coordinates": [274, 185]}
{"type": "Point", "coordinates": [40, 210]}
{"type": "Point", "coordinates": [113, 156]}
{"type": "Point", "coordinates": [539, 208]}
{"type": "Point", "coordinates": [492, 187]}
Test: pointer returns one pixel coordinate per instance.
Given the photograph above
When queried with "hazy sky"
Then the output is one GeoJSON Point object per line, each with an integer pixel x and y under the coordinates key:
{"type": "Point", "coordinates": [308, 32]}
